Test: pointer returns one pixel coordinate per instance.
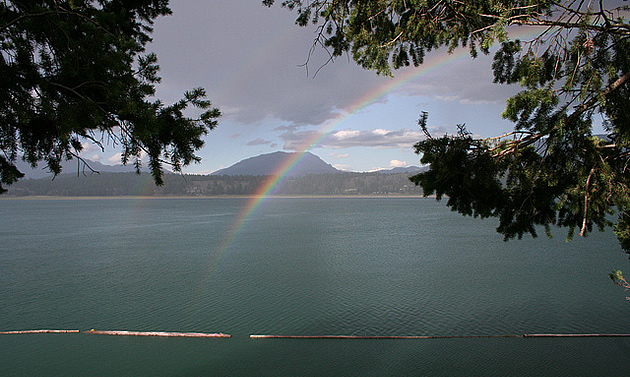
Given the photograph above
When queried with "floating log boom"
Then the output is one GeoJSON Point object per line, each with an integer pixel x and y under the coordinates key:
{"type": "Point", "coordinates": [575, 335]}
{"type": "Point", "coordinates": [435, 336]}
{"type": "Point", "coordinates": [159, 333]}
{"type": "Point", "coordinates": [332, 337]}
{"type": "Point", "coordinates": [258, 336]}
{"type": "Point", "coordinates": [376, 337]}
{"type": "Point", "coordinates": [38, 332]}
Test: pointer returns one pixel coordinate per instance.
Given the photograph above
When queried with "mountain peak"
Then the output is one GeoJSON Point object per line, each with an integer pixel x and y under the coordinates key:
{"type": "Point", "coordinates": [271, 163]}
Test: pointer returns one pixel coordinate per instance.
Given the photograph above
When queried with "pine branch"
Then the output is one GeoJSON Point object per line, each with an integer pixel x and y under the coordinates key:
{"type": "Point", "coordinates": [593, 101]}
{"type": "Point", "coordinates": [588, 181]}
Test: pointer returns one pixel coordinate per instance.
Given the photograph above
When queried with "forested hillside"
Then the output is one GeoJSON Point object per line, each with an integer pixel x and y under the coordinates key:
{"type": "Point", "coordinates": [131, 184]}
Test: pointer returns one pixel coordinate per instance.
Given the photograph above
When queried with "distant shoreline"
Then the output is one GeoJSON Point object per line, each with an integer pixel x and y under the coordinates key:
{"type": "Point", "coordinates": [127, 197]}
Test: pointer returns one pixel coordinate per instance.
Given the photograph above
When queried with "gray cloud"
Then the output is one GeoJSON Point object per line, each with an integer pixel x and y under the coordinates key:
{"type": "Point", "coordinates": [259, 141]}
{"type": "Point", "coordinates": [248, 58]}
{"type": "Point", "coordinates": [251, 64]}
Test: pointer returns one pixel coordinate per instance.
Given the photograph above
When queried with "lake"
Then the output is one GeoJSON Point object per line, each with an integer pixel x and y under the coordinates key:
{"type": "Point", "coordinates": [300, 266]}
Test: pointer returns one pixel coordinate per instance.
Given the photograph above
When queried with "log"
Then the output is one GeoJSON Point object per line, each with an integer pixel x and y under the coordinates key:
{"type": "Point", "coordinates": [377, 337]}
{"type": "Point", "coordinates": [159, 333]}
{"type": "Point", "coordinates": [38, 332]}
{"type": "Point", "coordinates": [574, 335]}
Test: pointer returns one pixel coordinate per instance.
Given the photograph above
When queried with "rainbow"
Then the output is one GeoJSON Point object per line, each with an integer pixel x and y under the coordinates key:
{"type": "Point", "coordinates": [279, 175]}
{"type": "Point", "coordinates": [408, 76]}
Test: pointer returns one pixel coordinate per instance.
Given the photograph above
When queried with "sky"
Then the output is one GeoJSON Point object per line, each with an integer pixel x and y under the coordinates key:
{"type": "Point", "coordinates": [250, 59]}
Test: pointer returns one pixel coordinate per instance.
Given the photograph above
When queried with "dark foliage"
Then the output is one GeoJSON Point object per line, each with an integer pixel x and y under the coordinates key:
{"type": "Point", "coordinates": [75, 71]}
{"type": "Point", "coordinates": [575, 74]}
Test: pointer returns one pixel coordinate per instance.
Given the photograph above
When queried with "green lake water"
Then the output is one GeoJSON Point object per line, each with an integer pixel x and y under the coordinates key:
{"type": "Point", "coordinates": [321, 266]}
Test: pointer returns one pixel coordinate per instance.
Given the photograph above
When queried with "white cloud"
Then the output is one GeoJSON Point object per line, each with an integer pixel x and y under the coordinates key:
{"type": "Point", "coordinates": [89, 147]}
{"type": "Point", "coordinates": [91, 151]}
{"type": "Point", "coordinates": [377, 138]}
{"type": "Point", "coordinates": [345, 134]}
{"type": "Point", "coordinates": [397, 164]}
{"type": "Point", "coordinates": [115, 159]}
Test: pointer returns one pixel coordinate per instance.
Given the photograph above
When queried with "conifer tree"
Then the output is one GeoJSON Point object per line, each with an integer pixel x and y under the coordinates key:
{"type": "Point", "coordinates": [73, 71]}
{"type": "Point", "coordinates": [551, 170]}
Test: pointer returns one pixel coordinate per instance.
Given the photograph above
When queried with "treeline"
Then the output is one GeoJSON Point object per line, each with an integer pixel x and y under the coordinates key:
{"type": "Point", "coordinates": [131, 184]}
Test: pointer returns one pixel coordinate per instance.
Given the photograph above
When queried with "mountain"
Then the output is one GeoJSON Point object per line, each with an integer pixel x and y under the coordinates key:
{"type": "Point", "coordinates": [131, 184]}
{"type": "Point", "coordinates": [70, 167]}
{"type": "Point", "coordinates": [270, 163]}
{"type": "Point", "coordinates": [407, 169]}
{"type": "Point", "coordinates": [309, 176]}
